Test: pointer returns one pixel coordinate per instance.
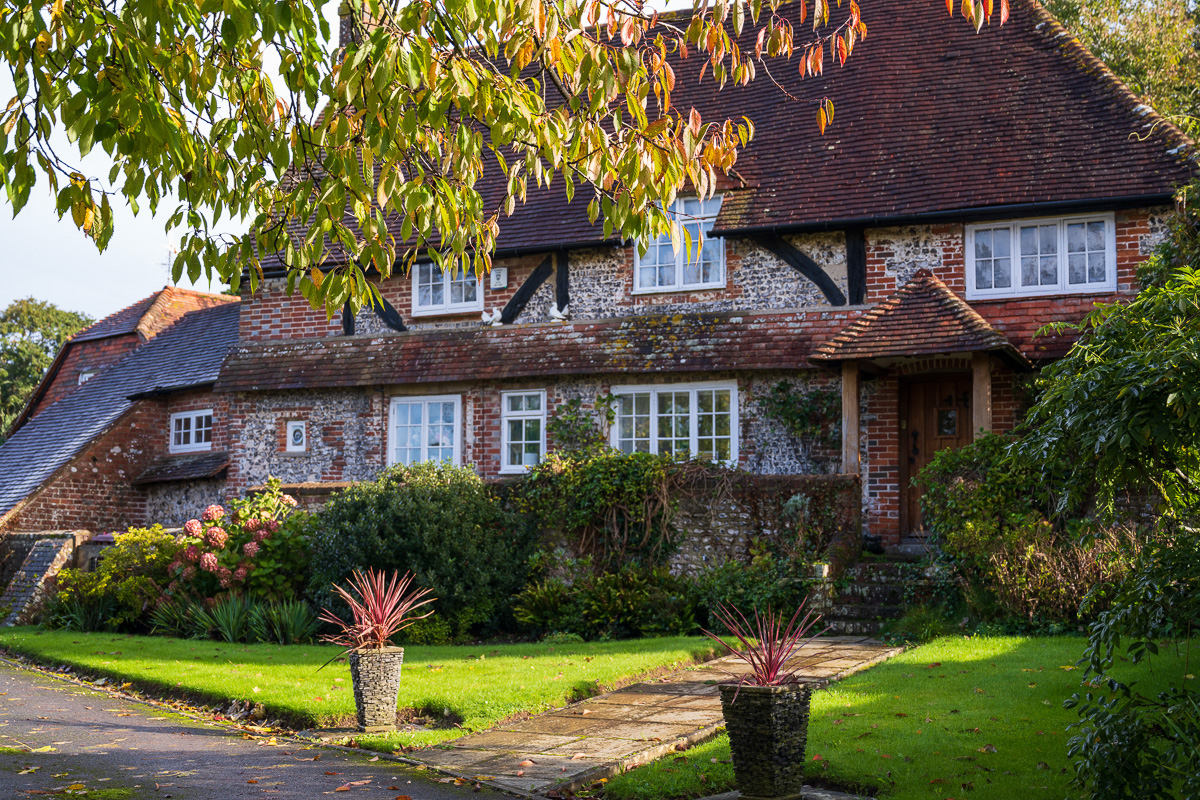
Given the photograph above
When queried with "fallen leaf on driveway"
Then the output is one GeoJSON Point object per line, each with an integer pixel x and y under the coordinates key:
{"type": "Point", "coordinates": [527, 763]}
{"type": "Point", "coordinates": [578, 756]}
{"type": "Point", "coordinates": [373, 758]}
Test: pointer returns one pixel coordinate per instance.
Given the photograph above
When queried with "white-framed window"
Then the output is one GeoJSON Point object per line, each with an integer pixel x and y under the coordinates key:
{"type": "Point", "coordinates": [1061, 255]}
{"type": "Point", "coordinates": [700, 266]}
{"type": "Point", "coordinates": [426, 429]}
{"type": "Point", "coordinates": [297, 436]}
{"type": "Point", "coordinates": [86, 375]}
{"type": "Point", "coordinates": [191, 431]}
{"type": "Point", "coordinates": [438, 292]}
{"type": "Point", "coordinates": [683, 419]}
{"type": "Point", "coordinates": [523, 422]}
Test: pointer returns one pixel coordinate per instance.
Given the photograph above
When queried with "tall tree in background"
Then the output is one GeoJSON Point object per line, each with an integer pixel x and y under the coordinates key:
{"type": "Point", "coordinates": [1152, 45]}
{"type": "Point", "coordinates": [31, 333]}
{"type": "Point", "coordinates": [400, 126]}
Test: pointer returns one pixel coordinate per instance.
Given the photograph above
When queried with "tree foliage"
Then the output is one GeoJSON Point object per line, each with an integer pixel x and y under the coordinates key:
{"type": "Point", "coordinates": [1154, 47]}
{"type": "Point", "coordinates": [31, 333]}
{"type": "Point", "coordinates": [432, 102]}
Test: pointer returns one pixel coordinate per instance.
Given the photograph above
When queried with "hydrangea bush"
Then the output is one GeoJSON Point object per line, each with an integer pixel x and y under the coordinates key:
{"type": "Point", "coordinates": [258, 548]}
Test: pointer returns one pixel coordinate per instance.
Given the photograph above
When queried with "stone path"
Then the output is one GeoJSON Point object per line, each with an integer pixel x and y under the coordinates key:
{"type": "Point", "coordinates": [569, 747]}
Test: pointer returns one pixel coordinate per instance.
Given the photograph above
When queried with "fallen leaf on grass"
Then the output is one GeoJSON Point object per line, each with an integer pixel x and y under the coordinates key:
{"type": "Point", "coordinates": [934, 665]}
{"type": "Point", "coordinates": [373, 758]}
{"type": "Point", "coordinates": [988, 748]}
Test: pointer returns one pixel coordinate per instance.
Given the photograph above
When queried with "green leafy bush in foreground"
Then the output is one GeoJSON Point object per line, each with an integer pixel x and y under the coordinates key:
{"type": "Point", "coordinates": [445, 525]}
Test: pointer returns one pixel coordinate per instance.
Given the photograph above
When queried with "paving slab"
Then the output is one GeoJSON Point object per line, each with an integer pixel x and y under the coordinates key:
{"type": "Point", "coordinates": [566, 748]}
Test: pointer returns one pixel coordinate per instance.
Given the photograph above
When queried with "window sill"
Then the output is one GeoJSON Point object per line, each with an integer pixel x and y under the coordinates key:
{"type": "Point", "coordinates": [679, 289]}
{"type": "Point", "coordinates": [447, 312]}
{"type": "Point", "coordinates": [1006, 298]}
{"type": "Point", "coordinates": [514, 471]}
{"type": "Point", "coordinates": [178, 451]}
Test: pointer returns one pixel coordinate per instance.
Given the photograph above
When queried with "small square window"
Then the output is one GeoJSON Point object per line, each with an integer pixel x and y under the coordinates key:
{"type": "Point", "coordinates": [438, 292]}
{"type": "Point", "coordinates": [191, 431]}
{"type": "Point", "coordinates": [297, 436]}
{"type": "Point", "coordinates": [947, 422]}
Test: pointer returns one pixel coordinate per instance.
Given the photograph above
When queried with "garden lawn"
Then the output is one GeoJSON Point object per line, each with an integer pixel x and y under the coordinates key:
{"type": "Point", "coordinates": [473, 686]}
{"type": "Point", "coordinates": [959, 718]}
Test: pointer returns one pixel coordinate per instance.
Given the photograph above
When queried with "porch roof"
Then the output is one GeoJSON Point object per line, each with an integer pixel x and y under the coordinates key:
{"type": "Point", "coordinates": [922, 318]}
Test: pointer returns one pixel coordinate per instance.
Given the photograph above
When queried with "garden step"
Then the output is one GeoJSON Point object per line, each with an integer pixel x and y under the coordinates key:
{"type": "Point", "coordinates": [882, 593]}
{"type": "Point", "coordinates": [856, 627]}
{"type": "Point", "coordinates": [880, 572]}
{"type": "Point", "coordinates": [865, 612]}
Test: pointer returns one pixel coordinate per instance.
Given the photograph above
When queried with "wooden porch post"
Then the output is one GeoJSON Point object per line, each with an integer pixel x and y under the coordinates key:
{"type": "Point", "coordinates": [850, 465]}
{"type": "Point", "coordinates": [981, 394]}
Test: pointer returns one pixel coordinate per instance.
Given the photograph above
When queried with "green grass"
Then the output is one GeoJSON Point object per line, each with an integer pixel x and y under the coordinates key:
{"type": "Point", "coordinates": [923, 726]}
{"type": "Point", "coordinates": [479, 685]}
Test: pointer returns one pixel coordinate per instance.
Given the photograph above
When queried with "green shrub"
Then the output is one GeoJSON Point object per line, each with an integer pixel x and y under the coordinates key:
{"type": "Point", "coordinates": [439, 521]}
{"type": "Point", "coordinates": [289, 622]}
{"type": "Point", "coordinates": [919, 624]}
{"type": "Point", "coordinates": [768, 580]}
{"type": "Point", "coordinates": [183, 619]}
{"type": "Point", "coordinates": [127, 583]}
{"type": "Point", "coordinates": [231, 617]}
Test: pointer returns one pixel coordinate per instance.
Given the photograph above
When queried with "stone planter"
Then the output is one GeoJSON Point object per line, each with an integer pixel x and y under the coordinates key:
{"type": "Point", "coordinates": [767, 726]}
{"type": "Point", "coordinates": [376, 675]}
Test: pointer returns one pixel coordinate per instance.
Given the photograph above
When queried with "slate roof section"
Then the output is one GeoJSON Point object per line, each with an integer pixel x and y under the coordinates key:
{"type": "Point", "coordinates": [193, 466]}
{"type": "Point", "coordinates": [931, 119]}
{"type": "Point", "coordinates": [152, 315]}
{"type": "Point", "coordinates": [630, 345]}
{"type": "Point", "coordinates": [921, 318]}
{"type": "Point", "coordinates": [188, 353]}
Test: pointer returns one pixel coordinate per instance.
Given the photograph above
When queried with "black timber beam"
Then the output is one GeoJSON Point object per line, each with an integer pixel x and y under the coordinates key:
{"type": "Point", "coordinates": [856, 265]}
{"type": "Point", "coordinates": [804, 265]}
{"type": "Point", "coordinates": [562, 281]}
{"type": "Point", "coordinates": [388, 314]}
{"type": "Point", "coordinates": [347, 319]}
{"type": "Point", "coordinates": [522, 296]}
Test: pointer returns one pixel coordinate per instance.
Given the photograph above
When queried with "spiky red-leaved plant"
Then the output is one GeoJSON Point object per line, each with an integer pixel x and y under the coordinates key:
{"type": "Point", "coordinates": [379, 609]}
{"type": "Point", "coordinates": [766, 644]}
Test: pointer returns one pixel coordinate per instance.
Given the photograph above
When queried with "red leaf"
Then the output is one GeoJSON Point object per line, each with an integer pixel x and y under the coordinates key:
{"type": "Point", "coordinates": [1003, 11]}
{"type": "Point", "coordinates": [950, 7]}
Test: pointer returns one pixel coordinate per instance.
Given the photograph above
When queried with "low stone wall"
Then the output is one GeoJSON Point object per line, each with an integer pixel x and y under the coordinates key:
{"type": "Point", "coordinates": [724, 525]}
{"type": "Point", "coordinates": [49, 552]}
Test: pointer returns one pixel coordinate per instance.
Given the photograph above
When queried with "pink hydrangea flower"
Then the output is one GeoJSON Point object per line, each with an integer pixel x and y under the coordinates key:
{"type": "Point", "coordinates": [224, 577]}
{"type": "Point", "coordinates": [252, 524]}
{"type": "Point", "coordinates": [250, 549]}
{"type": "Point", "coordinates": [191, 553]}
{"type": "Point", "coordinates": [208, 562]}
{"type": "Point", "coordinates": [272, 525]}
{"type": "Point", "coordinates": [213, 513]}
{"type": "Point", "coordinates": [216, 537]}
{"type": "Point", "coordinates": [240, 574]}
{"type": "Point", "coordinates": [193, 527]}
{"type": "Point", "coordinates": [288, 500]}
{"type": "Point", "coordinates": [188, 573]}
{"type": "Point", "coordinates": [173, 566]}
{"type": "Point", "coordinates": [261, 534]}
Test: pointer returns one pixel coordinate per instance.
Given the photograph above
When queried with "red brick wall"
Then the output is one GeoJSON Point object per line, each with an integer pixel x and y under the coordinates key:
{"type": "Point", "coordinates": [93, 491]}
{"type": "Point", "coordinates": [880, 442]}
{"type": "Point", "coordinates": [199, 401]}
{"type": "Point", "coordinates": [97, 355]}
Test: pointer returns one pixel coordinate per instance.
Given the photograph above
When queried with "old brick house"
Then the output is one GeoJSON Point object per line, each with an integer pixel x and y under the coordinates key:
{"type": "Point", "coordinates": [972, 189]}
{"type": "Point", "coordinates": [120, 431]}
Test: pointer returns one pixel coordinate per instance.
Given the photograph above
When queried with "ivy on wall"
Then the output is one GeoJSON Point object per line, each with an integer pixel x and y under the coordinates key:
{"type": "Point", "coordinates": [814, 416]}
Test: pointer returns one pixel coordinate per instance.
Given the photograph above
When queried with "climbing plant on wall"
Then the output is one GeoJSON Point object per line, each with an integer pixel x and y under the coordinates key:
{"type": "Point", "coordinates": [811, 415]}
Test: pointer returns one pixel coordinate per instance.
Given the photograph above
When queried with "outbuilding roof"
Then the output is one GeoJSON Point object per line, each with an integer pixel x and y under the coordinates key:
{"type": "Point", "coordinates": [188, 353]}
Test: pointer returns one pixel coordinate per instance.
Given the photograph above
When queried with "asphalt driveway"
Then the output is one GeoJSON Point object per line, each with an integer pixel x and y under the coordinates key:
{"type": "Point", "coordinates": [92, 744]}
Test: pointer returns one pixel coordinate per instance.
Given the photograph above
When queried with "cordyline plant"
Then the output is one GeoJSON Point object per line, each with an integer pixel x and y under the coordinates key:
{"type": "Point", "coordinates": [379, 609]}
{"type": "Point", "coordinates": [417, 137]}
{"type": "Point", "coordinates": [766, 644]}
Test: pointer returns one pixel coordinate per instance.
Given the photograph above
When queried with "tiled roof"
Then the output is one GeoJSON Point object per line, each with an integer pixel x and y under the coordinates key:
{"type": "Point", "coordinates": [188, 353]}
{"type": "Point", "coordinates": [184, 468]}
{"type": "Point", "coordinates": [152, 315]}
{"type": "Point", "coordinates": [632, 345]}
{"type": "Point", "coordinates": [921, 318]}
{"type": "Point", "coordinates": [931, 118]}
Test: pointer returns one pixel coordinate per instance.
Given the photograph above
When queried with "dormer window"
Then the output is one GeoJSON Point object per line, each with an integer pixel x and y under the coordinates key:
{"type": "Point", "coordinates": [436, 291]}
{"type": "Point", "coordinates": [701, 266]}
{"type": "Point", "coordinates": [191, 431]}
{"type": "Point", "coordinates": [86, 375]}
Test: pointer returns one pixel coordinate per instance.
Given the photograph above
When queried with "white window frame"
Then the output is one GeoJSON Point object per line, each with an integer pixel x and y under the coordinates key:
{"type": "Point", "coordinates": [507, 468]}
{"type": "Point", "coordinates": [446, 307]}
{"type": "Point", "coordinates": [693, 409]}
{"type": "Point", "coordinates": [85, 376]}
{"type": "Point", "coordinates": [398, 400]}
{"type": "Point", "coordinates": [681, 255]}
{"type": "Point", "coordinates": [191, 446]}
{"type": "Point", "coordinates": [1064, 286]}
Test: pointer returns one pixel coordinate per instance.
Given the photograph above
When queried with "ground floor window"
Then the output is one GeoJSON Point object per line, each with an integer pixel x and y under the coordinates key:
{"type": "Point", "coordinates": [426, 429]}
{"type": "Point", "coordinates": [685, 420]}
{"type": "Point", "coordinates": [523, 421]}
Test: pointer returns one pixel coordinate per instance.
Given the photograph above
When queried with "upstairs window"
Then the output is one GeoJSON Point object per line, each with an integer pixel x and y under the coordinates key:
{"type": "Point", "coordinates": [436, 291]}
{"type": "Point", "coordinates": [523, 420]}
{"type": "Point", "coordinates": [683, 420]}
{"type": "Point", "coordinates": [700, 266]}
{"type": "Point", "coordinates": [426, 429]}
{"type": "Point", "coordinates": [86, 375]}
{"type": "Point", "coordinates": [1071, 255]}
{"type": "Point", "coordinates": [191, 431]}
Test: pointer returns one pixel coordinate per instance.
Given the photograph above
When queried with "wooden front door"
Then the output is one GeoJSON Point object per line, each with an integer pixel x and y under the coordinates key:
{"type": "Point", "coordinates": [935, 414]}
